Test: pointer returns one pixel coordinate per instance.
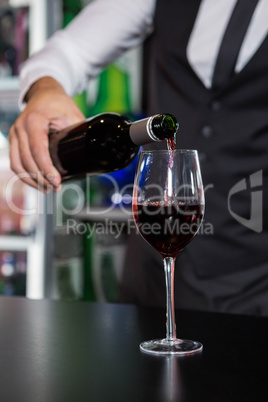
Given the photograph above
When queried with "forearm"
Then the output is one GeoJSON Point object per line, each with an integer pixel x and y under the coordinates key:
{"type": "Point", "coordinates": [97, 36]}
{"type": "Point", "coordinates": [44, 83]}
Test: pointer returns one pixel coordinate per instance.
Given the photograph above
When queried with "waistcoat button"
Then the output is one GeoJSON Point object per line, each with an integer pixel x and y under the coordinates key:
{"type": "Point", "coordinates": [206, 131]}
{"type": "Point", "coordinates": [202, 157]}
{"type": "Point", "coordinates": [215, 105]}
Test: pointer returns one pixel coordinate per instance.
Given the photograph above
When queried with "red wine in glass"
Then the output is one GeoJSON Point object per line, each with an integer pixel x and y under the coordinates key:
{"type": "Point", "coordinates": [168, 228]}
{"type": "Point", "coordinates": [168, 208]}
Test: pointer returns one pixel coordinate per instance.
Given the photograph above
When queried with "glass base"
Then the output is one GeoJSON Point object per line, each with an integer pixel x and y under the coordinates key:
{"type": "Point", "coordinates": [171, 347]}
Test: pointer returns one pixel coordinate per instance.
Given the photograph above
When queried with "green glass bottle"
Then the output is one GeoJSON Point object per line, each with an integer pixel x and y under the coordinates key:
{"type": "Point", "coordinates": [113, 92]}
{"type": "Point", "coordinates": [106, 143]}
{"type": "Point", "coordinates": [70, 9]}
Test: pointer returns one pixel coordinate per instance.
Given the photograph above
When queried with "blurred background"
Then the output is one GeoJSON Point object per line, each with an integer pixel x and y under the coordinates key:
{"type": "Point", "coordinates": [70, 245]}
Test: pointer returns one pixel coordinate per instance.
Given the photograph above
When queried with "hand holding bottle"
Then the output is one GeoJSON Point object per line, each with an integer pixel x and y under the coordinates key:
{"type": "Point", "coordinates": [48, 108]}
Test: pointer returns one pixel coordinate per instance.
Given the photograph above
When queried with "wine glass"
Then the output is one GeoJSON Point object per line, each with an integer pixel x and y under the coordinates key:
{"type": "Point", "coordinates": [168, 208]}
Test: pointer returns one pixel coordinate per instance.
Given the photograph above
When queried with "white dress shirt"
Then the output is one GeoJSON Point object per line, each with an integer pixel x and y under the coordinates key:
{"type": "Point", "coordinates": [105, 29]}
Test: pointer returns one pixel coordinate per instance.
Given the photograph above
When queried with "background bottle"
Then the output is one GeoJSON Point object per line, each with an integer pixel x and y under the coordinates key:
{"type": "Point", "coordinates": [105, 143]}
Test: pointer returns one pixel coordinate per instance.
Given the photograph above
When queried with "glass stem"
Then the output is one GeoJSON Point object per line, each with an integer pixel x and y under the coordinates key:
{"type": "Point", "coordinates": [169, 264]}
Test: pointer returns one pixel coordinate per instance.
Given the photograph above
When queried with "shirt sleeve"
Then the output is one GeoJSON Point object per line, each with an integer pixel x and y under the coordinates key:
{"type": "Point", "coordinates": [101, 32]}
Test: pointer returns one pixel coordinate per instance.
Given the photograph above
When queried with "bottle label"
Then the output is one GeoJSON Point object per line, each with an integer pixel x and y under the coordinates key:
{"type": "Point", "coordinates": [141, 131]}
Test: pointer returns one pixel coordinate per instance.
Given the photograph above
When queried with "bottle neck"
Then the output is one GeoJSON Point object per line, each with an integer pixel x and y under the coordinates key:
{"type": "Point", "coordinates": [141, 132]}
{"type": "Point", "coordinates": [154, 128]}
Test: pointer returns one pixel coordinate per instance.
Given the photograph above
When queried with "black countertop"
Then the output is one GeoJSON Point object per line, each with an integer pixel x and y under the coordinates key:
{"type": "Point", "coordinates": [55, 351]}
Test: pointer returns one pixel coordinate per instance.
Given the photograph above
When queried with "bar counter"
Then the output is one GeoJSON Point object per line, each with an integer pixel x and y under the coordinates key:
{"type": "Point", "coordinates": [57, 351]}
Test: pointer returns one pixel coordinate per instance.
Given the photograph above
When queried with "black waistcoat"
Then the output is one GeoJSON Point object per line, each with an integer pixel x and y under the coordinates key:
{"type": "Point", "coordinates": [229, 128]}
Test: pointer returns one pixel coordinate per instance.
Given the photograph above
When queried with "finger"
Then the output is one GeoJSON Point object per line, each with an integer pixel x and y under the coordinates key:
{"type": "Point", "coordinates": [26, 160]}
{"type": "Point", "coordinates": [38, 146]}
{"type": "Point", "coordinates": [15, 160]}
{"type": "Point", "coordinates": [17, 167]}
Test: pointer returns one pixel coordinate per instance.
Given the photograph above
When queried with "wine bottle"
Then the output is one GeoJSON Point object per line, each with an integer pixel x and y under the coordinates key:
{"type": "Point", "coordinates": [105, 143]}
